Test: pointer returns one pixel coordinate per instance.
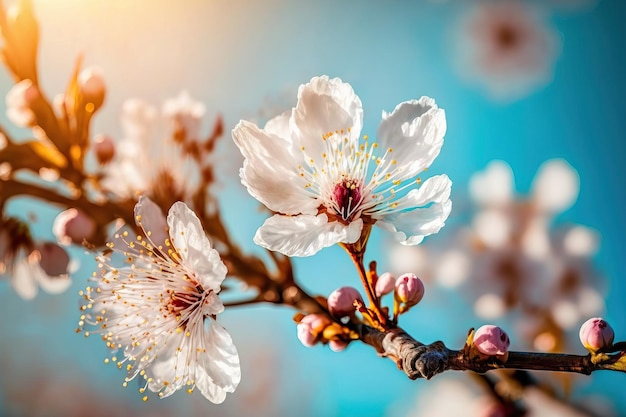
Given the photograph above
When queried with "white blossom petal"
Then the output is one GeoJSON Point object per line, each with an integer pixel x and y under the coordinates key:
{"type": "Point", "coordinates": [219, 372]}
{"type": "Point", "coordinates": [415, 131]}
{"type": "Point", "coordinates": [54, 285]}
{"type": "Point", "coordinates": [270, 172]}
{"type": "Point", "coordinates": [152, 221]}
{"type": "Point", "coordinates": [429, 207]}
{"type": "Point", "coordinates": [325, 105]}
{"type": "Point", "coordinates": [494, 185]}
{"type": "Point", "coordinates": [194, 247]}
{"type": "Point", "coordinates": [305, 235]}
{"type": "Point", "coordinates": [279, 125]}
{"type": "Point", "coordinates": [23, 279]}
{"type": "Point", "coordinates": [555, 186]}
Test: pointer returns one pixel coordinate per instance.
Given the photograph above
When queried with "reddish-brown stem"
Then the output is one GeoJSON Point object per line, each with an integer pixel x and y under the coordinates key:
{"type": "Point", "coordinates": [357, 258]}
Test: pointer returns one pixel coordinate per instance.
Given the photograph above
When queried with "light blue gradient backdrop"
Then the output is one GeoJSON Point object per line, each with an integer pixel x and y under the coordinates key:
{"type": "Point", "coordinates": [233, 56]}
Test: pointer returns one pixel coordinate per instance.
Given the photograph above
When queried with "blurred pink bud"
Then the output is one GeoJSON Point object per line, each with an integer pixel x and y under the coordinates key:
{"type": "Point", "coordinates": [341, 301]}
{"type": "Point", "coordinates": [92, 87]}
{"type": "Point", "coordinates": [310, 328]}
{"type": "Point", "coordinates": [73, 226]}
{"type": "Point", "coordinates": [491, 340]}
{"type": "Point", "coordinates": [409, 289]}
{"type": "Point", "coordinates": [596, 334]}
{"type": "Point", "coordinates": [337, 345]}
{"type": "Point", "coordinates": [385, 284]}
{"type": "Point", "coordinates": [54, 260]}
{"type": "Point", "coordinates": [103, 148]}
{"type": "Point", "coordinates": [20, 101]}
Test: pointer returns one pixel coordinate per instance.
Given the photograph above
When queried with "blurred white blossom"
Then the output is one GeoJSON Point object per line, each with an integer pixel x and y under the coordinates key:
{"type": "Point", "coordinates": [507, 47]}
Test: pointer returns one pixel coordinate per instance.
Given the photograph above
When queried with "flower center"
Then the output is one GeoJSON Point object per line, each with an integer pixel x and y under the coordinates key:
{"type": "Point", "coordinates": [183, 303]}
{"type": "Point", "coordinates": [346, 197]}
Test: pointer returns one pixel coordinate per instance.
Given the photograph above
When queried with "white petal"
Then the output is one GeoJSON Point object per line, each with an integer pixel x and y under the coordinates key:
{"type": "Point", "coordinates": [151, 220]}
{"type": "Point", "coordinates": [429, 207]}
{"type": "Point", "coordinates": [415, 131]}
{"type": "Point", "coordinates": [279, 125]}
{"type": "Point", "coordinates": [494, 185]}
{"type": "Point", "coordinates": [556, 185]}
{"type": "Point", "coordinates": [54, 285]}
{"type": "Point", "coordinates": [270, 171]}
{"type": "Point", "coordinates": [581, 241]}
{"type": "Point", "coordinates": [194, 247]}
{"type": "Point", "coordinates": [325, 105]}
{"type": "Point", "coordinates": [170, 366]}
{"type": "Point", "coordinates": [23, 279]}
{"type": "Point", "coordinates": [218, 369]}
{"type": "Point", "coordinates": [305, 235]}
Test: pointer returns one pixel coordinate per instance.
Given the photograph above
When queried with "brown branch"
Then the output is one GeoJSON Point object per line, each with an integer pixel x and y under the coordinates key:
{"type": "Point", "coordinates": [417, 360]}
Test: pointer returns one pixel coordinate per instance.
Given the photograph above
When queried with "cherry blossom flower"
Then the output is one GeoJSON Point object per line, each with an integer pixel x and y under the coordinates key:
{"type": "Point", "coordinates": [147, 162]}
{"type": "Point", "coordinates": [29, 264]}
{"type": "Point", "coordinates": [328, 184]}
{"type": "Point", "coordinates": [160, 311]}
{"type": "Point", "coordinates": [507, 47]}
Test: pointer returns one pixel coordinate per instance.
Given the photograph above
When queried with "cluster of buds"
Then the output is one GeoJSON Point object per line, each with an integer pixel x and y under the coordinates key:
{"type": "Point", "coordinates": [319, 328]}
{"type": "Point", "coordinates": [408, 290]}
{"type": "Point", "coordinates": [343, 304]}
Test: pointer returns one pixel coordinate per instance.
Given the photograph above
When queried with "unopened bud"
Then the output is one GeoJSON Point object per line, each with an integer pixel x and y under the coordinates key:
{"type": "Point", "coordinates": [92, 87]}
{"type": "Point", "coordinates": [385, 284]}
{"type": "Point", "coordinates": [20, 101]}
{"type": "Point", "coordinates": [310, 327]}
{"type": "Point", "coordinates": [337, 345]}
{"type": "Point", "coordinates": [596, 334]}
{"type": "Point", "coordinates": [53, 259]}
{"type": "Point", "coordinates": [73, 226]}
{"type": "Point", "coordinates": [409, 289]}
{"type": "Point", "coordinates": [491, 340]}
{"type": "Point", "coordinates": [341, 301]}
{"type": "Point", "coordinates": [103, 148]}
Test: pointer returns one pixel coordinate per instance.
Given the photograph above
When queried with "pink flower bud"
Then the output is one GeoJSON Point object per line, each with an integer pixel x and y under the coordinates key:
{"type": "Point", "coordinates": [73, 226]}
{"type": "Point", "coordinates": [92, 87]}
{"type": "Point", "coordinates": [385, 284]}
{"type": "Point", "coordinates": [409, 289]}
{"type": "Point", "coordinates": [341, 301]}
{"type": "Point", "coordinates": [310, 327]}
{"type": "Point", "coordinates": [53, 259]}
{"type": "Point", "coordinates": [103, 148]}
{"type": "Point", "coordinates": [20, 101]}
{"type": "Point", "coordinates": [596, 334]}
{"type": "Point", "coordinates": [491, 340]}
{"type": "Point", "coordinates": [337, 345]}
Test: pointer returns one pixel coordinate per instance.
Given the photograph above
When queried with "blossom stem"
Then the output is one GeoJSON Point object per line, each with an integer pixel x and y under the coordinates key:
{"type": "Point", "coordinates": [357, 257]}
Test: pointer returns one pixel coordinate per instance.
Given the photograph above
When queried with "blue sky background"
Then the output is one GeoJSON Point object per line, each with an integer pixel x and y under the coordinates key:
{"type": "Point", "coordinates": [237, 55]}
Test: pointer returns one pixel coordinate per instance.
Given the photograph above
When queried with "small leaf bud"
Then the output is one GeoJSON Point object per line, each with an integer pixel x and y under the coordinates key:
{"type": "Point", "coordinates": [92, 87]}
{"type": "Point", "coordinates": [409, 289]}
{"type": "Point", "coordinates": [341, 301]}
{"type": "Point", "coordinates": [310, 328]}
{"type": "Point", "coordinates": [385, 284]}
{"type": "Point", "coordinates": [73, 226]}
{"type": "Point", "coordinates": [103, 148]}
{"type": "Point", "coordinates": [491, 340]}
{"type": "Point", "coordinates": [596, 334]}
